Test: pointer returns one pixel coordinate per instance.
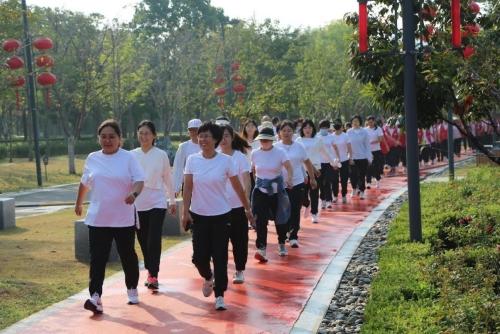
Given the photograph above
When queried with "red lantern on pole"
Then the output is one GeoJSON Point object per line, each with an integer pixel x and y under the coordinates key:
{"type": "Point", "coordinates": [44, 61]}
{"type": "Point", "coordinates": [43, 43]}
{"type": "Point", "coordinates": [15, 63]}
{"type": "Point", "coordinates": [46, 79]}
{"type": "Point", "coordinates": [474, 7]}
{"type": "Point", "coordinates": [11, 45]}
{"type": "Point", "coordinates": [456, 35]}
{"type": "Point", "coordinates": [363, 26]}
{"type": "Point", "coordinates": [468, 51]}
{"type": "Point", "coordinates": [239, 88]}
{"type": "Point", "coordinates": [220, 91]}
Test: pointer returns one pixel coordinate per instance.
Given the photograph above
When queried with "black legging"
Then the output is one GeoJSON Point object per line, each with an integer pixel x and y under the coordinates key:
{"type": "Point", "coordinates": [375, 170]}
{"type": "Point", "coordinates": [311, 196]}
{"type": "Point", "coordinates": [265, 208]}
{"type": "Point", "coordinates": [239, 237]}
{"type": "Point", "coordinates": [358, 174]}
{"type": "Point", "coordinates": [326, 181]}
{"type": "Point", "coordinates": [341, 173]}
{"type": "Point", "coordinates": [296, 196]}
{"type": "Point", "coordinates": [149, 237]}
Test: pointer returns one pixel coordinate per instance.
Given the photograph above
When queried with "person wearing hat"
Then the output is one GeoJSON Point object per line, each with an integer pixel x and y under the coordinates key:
{"type": "Point", "coordinates": [222, 120]}
{"type": "Point", "coordinates": [183, 152]}
{"type": "Point", "coordinates": [269, 197]}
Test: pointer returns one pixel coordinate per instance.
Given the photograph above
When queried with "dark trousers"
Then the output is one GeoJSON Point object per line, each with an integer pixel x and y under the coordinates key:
{"type": "Point", "coordinates": [457, 145]}
{"type": "Point", "coordinates": [100, 241]}
{"type": "Point", "coordinates": [394, 156]}
{"type": "Point", "coordinates": [149, 236]}
{"type": "Point", "coordinates": [210, 242]}
{"type": "Point", "coordinates": [358, 174]}
{"type": "Point", "coordinates": [376, 168]}
{"type": "Point", "coordinates": [343, 174]}
{"type": "Point", "coordinates": [239, 237]}
{"type": "Point", "coordinates": [296, 196]}
{"type": "Point", "coordinates": [326, 181]}
{"type": "Point", "coordinates": [265, 208]}
{"type": "Point", "coordinates": [312, 195]}
{"type": "Point", "coordinates": [443, 149]}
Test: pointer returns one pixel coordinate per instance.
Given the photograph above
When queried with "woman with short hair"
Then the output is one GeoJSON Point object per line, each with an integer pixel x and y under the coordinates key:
{"type": "Point", "coordinates": [116, 180]}
{"type": "Point", "coordinates": [361, 155]}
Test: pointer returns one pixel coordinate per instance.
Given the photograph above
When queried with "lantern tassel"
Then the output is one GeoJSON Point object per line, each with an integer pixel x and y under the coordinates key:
{"type": "Point", "coordinates": [456, 34]}
{"type": "Point", "coordinates": [18, 101]}
{"type": "Point", "coordinates": [47, 98]}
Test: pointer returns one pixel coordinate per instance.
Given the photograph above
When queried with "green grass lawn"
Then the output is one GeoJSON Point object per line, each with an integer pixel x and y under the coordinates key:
{"type": "Point", "coordinates": [450, 282]}
{"type": "Point", "coordinates": [21, 174]}
{"type": "Point", "coordinates": [38, 268]}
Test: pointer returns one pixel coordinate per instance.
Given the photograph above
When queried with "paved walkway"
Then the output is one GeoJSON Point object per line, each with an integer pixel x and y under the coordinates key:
{"type": "Point", "coordinates": [271, 300]}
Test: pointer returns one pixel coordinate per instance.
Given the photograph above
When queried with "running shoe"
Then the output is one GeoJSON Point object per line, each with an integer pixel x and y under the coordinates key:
{"type": "Point", "coordinates": [334, 200]}
{"type": "Point", "coordinates": [153, 283]}
{"type": "Point", "coordinates": [146, 282]}
{"type": "Point", "coordinates": [323, 205]}
{"type": "Point", "coordinates": [315, 219]}
{"type": "Point", "coordinates": [369, 185]}
{"type": "Point", "coordinates": [294, 243]}
{"type": "Point", "coordinates": [219, 304]}
{"type": "Point", "coordinates": [329, 204]}
{"type": "Point", "coordinates": [362, 195]}
{"type": "Point", "coordinates": [238, 277]}
{"type": "Point", "coordinates": [282, 250]}
{"type": "Point", "coordinates": [208, 287]}
{"type": "Point", "coordinates": [94, 304]}
{"type": "Point", "coordinates": [344, 199]}
{"type": "Point", "coordinates": [133, 296]}
{"type": "Point", "coordinates": [260, 255]}
{"type": "Point", "coordinates": [354, 192]}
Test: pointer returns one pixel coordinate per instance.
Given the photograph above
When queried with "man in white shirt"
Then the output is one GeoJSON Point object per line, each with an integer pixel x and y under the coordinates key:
{"type": "Point", "coordinates": [184, 151]}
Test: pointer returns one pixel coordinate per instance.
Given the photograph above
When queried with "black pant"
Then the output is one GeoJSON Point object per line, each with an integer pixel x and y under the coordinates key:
{"type": "Point", "coordinates": [210, 242]}
{"type": "Point", "coordinates": [394, 156]}
{"type": "Point", "coordinates": [313, 195]}
{"type": "Point", "coordinates": [239, 237]}
{"type": "Point", "coordinates": [376, 168]}
{"type": "Point", "coordinates": [326, 181]}
{"type": "Point", "coordinates": [343, 174]}
{"type": "Point", "coordinates": [358, 174]}
{"type": "Point", "coordinates": [443, 149]}
{"type": "Point", "coordinates": [100, 241]}
{"type": "Point", "coordinates": [265, 208]}
{"type": "Point", "coordinates": [296, 196]}
{"type": "Point", "coordinates": [149, 236]}
{"type": "Point", "coordinates": [457, 145]}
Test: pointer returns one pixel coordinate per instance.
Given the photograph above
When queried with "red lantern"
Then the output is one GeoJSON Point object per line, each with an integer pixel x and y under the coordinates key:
{"type": "Point", "coordinates": [44, 61]}
{"type": "Point", "coordinates": [11, 45]}
{"type": "Point", "coordinates": [239, 88]}
{"type": "Point", "coordinates": [220, 91]}
{"type": "Point", "coordinates": [46, 79]}
{"type": "Point", "coordinates": [17, 82]}
{"type": "Point", "coordinates": [474, 7]}
{"type": "Point", "coordinates": [472, 29]}
{"type": "Point", "coordinates": [456, 37]}
{"type": "Point", "coordinates": [363, 27]}
{"type": "Point", "coordinates": [43, 43]}
{"type": "Point", "coordinates": [236, 77]}
{"type": "Point", "coordinates": [15, 63]}
{"type": "Point", "coordinates": [468, 52]}
{"type": "Point", "coordinates": [235, 66]}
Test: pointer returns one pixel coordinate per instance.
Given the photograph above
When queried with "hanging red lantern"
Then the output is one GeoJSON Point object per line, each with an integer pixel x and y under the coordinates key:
{"type": "Point", "coordinates": [468, 51]}
{"type": "Point", "coordinates": [471, 30]}
{"type": "Point", "coordinates": [474, 7]}
{"type": "Point", "coordinates": [46, 79]}
{"type": "Point", "coordinates": [220, 91]}
{"type": "Point", "coordinates": [456, 36]}
{"type": "Point", "coordinates": [11, 45]}
{"type": "Point", "coordinates": [235, 66]}
{"type": "Point", "coordinates": [43, 43]}
{"type": "Point", "coordinates": [236, 77]}
{"type": "Point", "coordinates": [239, 88]}
{"type": "Point", "coordinates": [15, 63]}
{"type": "Point", "coordinates": [44, 61]}
{"type": "Point", "coordinates": [363, 26]}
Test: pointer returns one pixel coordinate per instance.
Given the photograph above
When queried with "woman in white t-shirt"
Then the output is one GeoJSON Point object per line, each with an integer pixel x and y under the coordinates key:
{"type": "Point", "coordinates": [343, 150]}
{"type": "Point", "coordinates": [235, 147]}
{"type": "Point", "coordinates": [361, 155]}
{"type": "Point", "coordinates": [208, 211]}
{"type": "Point", "coordinates": [152, 204]}
{"type": "Point", "coordinates": [376, 168]}
{"type": "Point", "coordinates": [116, 179]}
{"type": "Point", "coordinates": [269, 198]}
{"type": "Point", "coordinates": [297, 155]}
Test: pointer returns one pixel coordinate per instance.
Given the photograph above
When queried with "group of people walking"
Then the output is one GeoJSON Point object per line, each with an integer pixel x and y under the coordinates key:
{"type": "Point", "coordinates": [230, 183]}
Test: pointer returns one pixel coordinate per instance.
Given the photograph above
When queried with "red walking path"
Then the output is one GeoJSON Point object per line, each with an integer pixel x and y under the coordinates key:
{"type": "Point", "coordinates": [270, 301]}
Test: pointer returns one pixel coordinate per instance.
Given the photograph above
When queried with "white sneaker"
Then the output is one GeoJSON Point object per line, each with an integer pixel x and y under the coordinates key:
{"type": "Point", "coordinates": [294, 243]}
{"type": "Point", "coordinates": [344, 199]}
{"type": "Point", "coordinates": [219, 304]}
{"type": "Point", "coordinates": [315, 219]}
{"type": "Point", "coordinates": [94, 304]}
{"type": "Point", "coordinates": [362, 195]}
{"type": "Point", "coordinates": [133, 296]}
{"type": "Point", "coordinates": [369, 185]}
{"type": "Point", "coordinates": [328, 204]}
{"type": "Point", "coordinates": [260, 255]}
{"type": "Point", "coordinates": [323, 205]}
{"type": "Point", "coordinates": [238, 277]}
{"type": "Point", "coordinates": [335, 200]}
{"type": "Point", "coordinates": [354, 192]}
{"type": "Point", "coordinates": [208, 287]}
{"type": "Point", "coordinates": [282, 250]}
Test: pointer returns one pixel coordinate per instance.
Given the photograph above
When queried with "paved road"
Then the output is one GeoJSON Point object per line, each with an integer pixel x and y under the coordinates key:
{"type": "Point", "coordinates": [43, 201]}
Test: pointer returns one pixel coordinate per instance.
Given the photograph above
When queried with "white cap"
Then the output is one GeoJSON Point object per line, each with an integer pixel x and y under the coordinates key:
{"type": "Point", "coordinates": [194, 123]}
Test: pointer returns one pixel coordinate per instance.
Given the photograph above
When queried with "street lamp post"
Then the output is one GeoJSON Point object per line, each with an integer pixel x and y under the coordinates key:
{"type": "Point", "coordinates": [31, 91]}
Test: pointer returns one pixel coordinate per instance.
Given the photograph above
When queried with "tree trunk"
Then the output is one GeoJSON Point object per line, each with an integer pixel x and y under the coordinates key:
{"type": "Point", "coordinates": [71, 155]}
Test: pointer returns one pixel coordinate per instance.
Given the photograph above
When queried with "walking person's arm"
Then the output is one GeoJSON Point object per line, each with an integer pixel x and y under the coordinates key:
{"type": "Point", "coordinates": [186, 198]}
{"type": "Point", "coordinates": [310, 170]}
{"type": "Point", "coordinates": [169, 186]}
{"type": "Point", "coordinates": [238, 188]}
{"type": "Point", "coordinates": [82, 191]}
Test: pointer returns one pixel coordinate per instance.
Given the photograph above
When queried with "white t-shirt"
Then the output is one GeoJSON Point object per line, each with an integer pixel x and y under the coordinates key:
{"type": "Point", "coordinates": [341, 140]}
{"type": "Point", "coordinates": [297, 155]}
{"type": "Point", "coordinates": [158, 184]}
{"type": "Point", "coordinates": [254, 145]}
{"type": "Point", "coordinates": [374, 134]}
{"type": "Point", "coordinates": [327, 141]}
{"type": "Point", "coordinates": [360, 144]}
{"type": "Point", "coordinates": [210, 177]}
{"type": "Point", "coordinates": [268, 164]}
{"type": "Point", "coordinates": [111, 178]}
{"type": "Point", "coordinates": [241, 166]}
